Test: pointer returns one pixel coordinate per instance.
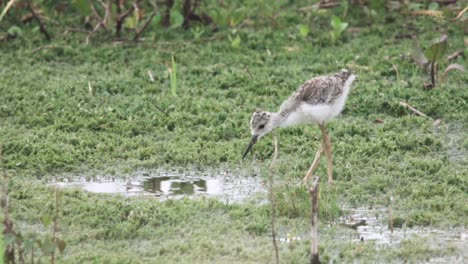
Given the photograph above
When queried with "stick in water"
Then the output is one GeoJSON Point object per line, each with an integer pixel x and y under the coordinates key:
{"type": "Point", "coordinates": [272, 199]}
{"type": "Point", "coordinates": [313, 191]}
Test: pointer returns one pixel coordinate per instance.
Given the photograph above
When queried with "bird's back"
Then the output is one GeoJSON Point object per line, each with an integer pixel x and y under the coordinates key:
{"type": "Point", "coordinates": [323, 89]}
{"type": "Point", "coordinates": [328, 90]}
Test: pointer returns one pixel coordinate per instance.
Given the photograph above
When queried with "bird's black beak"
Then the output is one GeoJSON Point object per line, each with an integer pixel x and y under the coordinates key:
{"type": "Point", "coordinates": [252, 142]}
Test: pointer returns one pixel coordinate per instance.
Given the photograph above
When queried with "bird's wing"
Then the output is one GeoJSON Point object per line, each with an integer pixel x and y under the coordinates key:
{"type": "Point", "coordinates": [321, 90]}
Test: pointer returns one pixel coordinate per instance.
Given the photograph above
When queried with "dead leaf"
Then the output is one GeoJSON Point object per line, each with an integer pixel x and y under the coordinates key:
{"type": "Point", "coordinates": [380, 121]}
{"type": "Point", "coordinates": [453, 66]}
{"type": "Point", "coordinates": [292, 48]}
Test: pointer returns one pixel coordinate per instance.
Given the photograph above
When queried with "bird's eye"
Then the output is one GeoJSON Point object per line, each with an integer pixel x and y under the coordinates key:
{"type": "Point", "coordinates": [261, 126]}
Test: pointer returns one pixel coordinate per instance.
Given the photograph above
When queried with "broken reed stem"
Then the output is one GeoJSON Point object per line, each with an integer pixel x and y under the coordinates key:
{"type": "Point", "coordinates": [8, 256]}
{"type": "Point", "coordinates": [272, 198]}
{"type": "Point", "coordinates": [396, 71]}
{"type": "Point", "coordinates": [54, 223]}
{"type": "Point", "coordinates": [137, 35]}
{"type": "Point", "coordinates": [314, 163]}
{"type": "Point", "coordinates": [121, 17]}
{"type": "Point", "coordinates": [390, 219]}
{"type": "Point", "coordinates": [414, 110]}
{"type": "Point", "coordinates": [150, 73]}
{"type": "Point", "coordinates": [248, 72]}
{"type": "Point", "coordinates": [102, 23]}
{"type": "Point", "coordinates": [313, 191]}
{"type": "Point", "coordinates": [90, 88]}
{"type": "Point", "coordinates": [390, 213]}
{"type": "Point", "coordinates": [41, 25]}
{"type": "Point", "coordinates": [161, 110]}
{"type": "Point", "coordinates": [433, 73]}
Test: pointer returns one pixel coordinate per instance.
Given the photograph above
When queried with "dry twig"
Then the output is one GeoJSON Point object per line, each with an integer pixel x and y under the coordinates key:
{"type": "Point", "coordinates": [396, 70]}
{"type": "Point", "coordinates": [44, 47]}
{"type": "Point", "coordinates": [454, 55]}
{"type": "Point", "coordinates": [41, 25]}
{"type": "Point", "coordinates": [90, 88]}
{"type": "Point", "coordinates": [150, 74]}
{"type": "Point", "coordinates": [55, 223]}
{"type": "Point", "coordinates": [247, 70]}
{"type": "Point", "coordinates": [160, 109]}
{"type": "Point", "coordinates": [414, 110]}
{"type": "Point", "coordinates": [121, 18]}
{"type": "Point", "coordinates": [8, 254]}
{"type": "Point", "coordinates": [102, 22]}
{"type": "Point", "coordinates": [137, 35]}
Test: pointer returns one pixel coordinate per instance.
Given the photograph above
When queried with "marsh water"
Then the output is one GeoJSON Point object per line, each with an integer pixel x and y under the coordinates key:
{"type": "Point", "coordinates": [225, 185]}
{"type": "Point", "coordinates": [370, 225]}
{"type": "Point", "coordinates": [366, 225]}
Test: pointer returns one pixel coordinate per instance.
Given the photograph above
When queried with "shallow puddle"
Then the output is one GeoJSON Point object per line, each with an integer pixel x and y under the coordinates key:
{"type": "Point", "coordinates": [225, 185]}
{"type": "Point", "coordinates": [372, 225]}
{"type": "Point", "coordinates": [363, 225]}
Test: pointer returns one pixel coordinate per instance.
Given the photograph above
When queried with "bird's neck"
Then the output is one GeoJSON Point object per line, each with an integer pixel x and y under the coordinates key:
{"type": "Point", "coordinates": [278, 119]}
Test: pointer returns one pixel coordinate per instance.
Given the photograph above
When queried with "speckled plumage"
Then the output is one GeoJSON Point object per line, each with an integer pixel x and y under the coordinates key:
{"type": "Point", "coordinates": [314, 102]}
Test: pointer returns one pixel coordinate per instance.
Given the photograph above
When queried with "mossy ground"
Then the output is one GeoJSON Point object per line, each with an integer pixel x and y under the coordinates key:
{"type": "Point", "coordinates": [49, 124]}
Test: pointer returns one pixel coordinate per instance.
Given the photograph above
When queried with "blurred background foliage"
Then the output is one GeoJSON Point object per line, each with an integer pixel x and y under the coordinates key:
{"type": "Point", "coordinates": [136, 20]}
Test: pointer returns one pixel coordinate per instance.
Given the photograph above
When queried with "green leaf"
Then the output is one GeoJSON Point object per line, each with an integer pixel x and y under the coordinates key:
{"type": "Point", "coordinates": [343, 26]}
{"type": "Point", "coordinates": [15, 31]}
{"type": "Point", "coordinates": [303, 30]}
{"type": "Point", "coordinates": [130, 22]}
{"type": "Point", "coordinates": [177, 19]}
{"type": "Point", "coordinates": [417, 54]}
{"type": "Point", "coordinates": [338, 26]}
{"type": "Point", "coordinates": [155, 22]}
{"type": "Point", "coordinates": [434, 6]}
{"type": "Point", "coordinates": [235, 43]}
{"type": "Point", "coordinates": [46, 220]}
{"type": "Point", "coordinates": [415, 6]}
{"type": "Point", "coordinates": [46, 245]}
{"type": "Point", "coordinates": [335, 22]}
{"type": "Point", "coordinates": [437, 49]}
{"type": "Point", "coordinates": [82, 6]}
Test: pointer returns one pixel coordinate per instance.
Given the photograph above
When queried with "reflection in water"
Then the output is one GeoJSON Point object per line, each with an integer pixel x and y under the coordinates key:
{"type": "Point", "coordinates": [175, 186]}
{"type": "Point", "coordinates": [225, 186]}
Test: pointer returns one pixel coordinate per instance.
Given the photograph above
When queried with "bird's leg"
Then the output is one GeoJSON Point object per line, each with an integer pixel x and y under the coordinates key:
{"type": "Point", "coordinates": [314, 164]}
{"type": "Point", "coordinates": [327, 144]}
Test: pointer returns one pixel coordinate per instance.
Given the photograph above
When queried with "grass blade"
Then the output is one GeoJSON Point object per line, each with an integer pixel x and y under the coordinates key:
{"type": "Point", "coordinates": [173, 76]}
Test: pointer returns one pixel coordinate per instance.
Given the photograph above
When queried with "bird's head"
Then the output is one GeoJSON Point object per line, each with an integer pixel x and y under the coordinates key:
{"type": "Point", "coordinates": [261, 123]}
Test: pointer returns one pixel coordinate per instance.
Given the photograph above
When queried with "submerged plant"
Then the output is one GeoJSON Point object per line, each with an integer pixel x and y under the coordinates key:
{"type": "Point", "coordinates": [432, 55]}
